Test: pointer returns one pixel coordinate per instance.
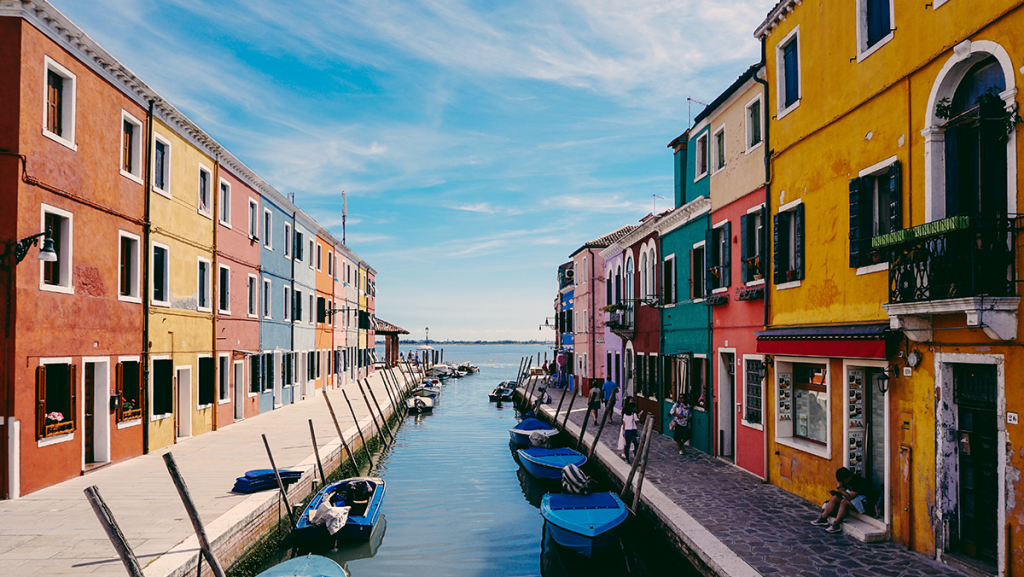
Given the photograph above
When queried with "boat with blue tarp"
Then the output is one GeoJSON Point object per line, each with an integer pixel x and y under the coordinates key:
{"type": "Point", "coordinates": [347, 509]}
{"type": "Point", "coordinates": [308, 566]}
{"type": "Point", "coordinates": [584, 523]}
{"type": "Point", "coordinates": [548, 463]}
{"type": "Point", "coordinates": [521, 432]}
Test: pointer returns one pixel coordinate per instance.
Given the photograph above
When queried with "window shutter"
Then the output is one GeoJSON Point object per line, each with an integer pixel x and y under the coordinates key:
{"type": "Point", "coordinates": [991, 184]}
{"type": "Point", "coordinates": [762, 258]}
{"type": "Point", "coordinates": [119, 387]}
{"type": "Point", "coordinates": [40, 401]}
{"type": "Point", "coordinates": [777, 241]}
{"type": "Point", "coordinates": [142, 387]}
{"type": "Point", "coordinates": [857, 218]}
{"type": "Point", "coordinates": [73, 370]}
{"type": "Point", "coordinates": [895, 197]}
{"type": "Point", "coordinates": [798, 265]}
{"type": "Point", "coordinates": [727, 257]}
{"type": "Point", "coordinates": [709, 260]}
{"type": "Point", "coordinates": [745, 234]}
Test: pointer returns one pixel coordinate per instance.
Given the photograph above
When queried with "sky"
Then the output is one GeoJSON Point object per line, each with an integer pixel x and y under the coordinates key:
{"type": "Point", "coordinates": [479, 143]}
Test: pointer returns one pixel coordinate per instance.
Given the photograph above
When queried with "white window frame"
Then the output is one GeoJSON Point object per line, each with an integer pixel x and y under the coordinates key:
{"type": "Point", "coordinates": [152, 376]}
{"type": "Point", "coordinates": [756, 210]}
{"type": "Point", "coordinates": [254, 219]}
{"type": "Point", "coordinates": [728, 246]}
{"type": "Point", "coordinates": [68, 96]}
{"type": "Point", "coordinates": [863, 50]}
{"type": "Point", "coordinates": [135, 152]}
{"type": "Point", "coordinates": [937, 3]}
{"type": "Point", "coordinates": [706, 137]}
{"type": "Point", "coordinates": [287, 240]}
{"type": "Point", "coordinates": [221, 204]}
{"type": "Point", "coordinates": [67, 249]}
{"type": "Point", "coordinates": [209, 285]}
{"type": "Point", "coordinates": [167, 275]}
{"type": "Point", "coordinates": [877, 169]}
{"type": "Point", "coordinates": [79, 418]}
{"type": "Point", "coordinates": [746, 122]}
{"type": "Point", "coordinates": [136, 265]}
{"type": "Point", "coordinates": [330, 264]}
{"type": "Point", "coordinates": [717, 158]}
{"type": "Point", "coordinates": [230, 374]}
{"type": "Point", "coordinates": [780, 71]}
{"type": "Point", "coordinates": [312, 308]}
{"type": "Point", "coordinates": [268, 309]}
{"type": "Point", "coordinates": [319, 256]}
{"type": "Point", "coordinates": [220, 289]}
{"type": "Point", "coordinates": [675, 285]}
{"type": "Point", "coordinates": [297, 238]}
{"type": "Point", "coordinates": [296, 298]}
{"type": "Point", "coordinates": [703, 284]}
{"type": "Point", "coordinates": [268, 229]}
{"type": "Point", "coordinates": [789, 207]}
{"type": "Point", "coordinates": [287, 303]}
{"type": "Point", "coordinates": [311, 242]}
{"type": "Point", "coordinates": [784, 432]}
{"type": "Point", "coordinates": [165, 192]}
{"type": "Point", "coordinates": [253, 288]}
{"type": "Point", "coordinates": [208, 213]}
{"type": "Point", "coordinates": [743, 394]}
{"type": "Point", "coordinates": [195, 382]}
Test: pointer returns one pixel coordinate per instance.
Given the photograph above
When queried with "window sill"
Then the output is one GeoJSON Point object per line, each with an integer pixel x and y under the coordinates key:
{"type": "Point", "coordinates": [130, 299]}
{"type": "Point", "coordinates": [68, 290]}
{"type": "Point", "coordinates": [873, 268]}
{"type": "Point", "coordinates": [785, 111]}
{"type": "Point", "coordinates": [755, 147]}
{"type": "Point", "coordinates": [805, 446]}
{"type": "Point", "coordinates": [131, 177]}
{"type": "Point", "coordinates": [161, 417]}
{"type": "Point", "coordinates": [861, 55]}
{"type": "Point", "coordinates": [160, 303]}
{"type": "Point", "coordinates": [700, 300]}
{"type": "Point", "coordinates": [208, 215]}
{"type": "Point", "coordinates": [60, 140]}
{"type": "Point", "coordinates": [224, 401]}
{"type": "Point", "coordinates": [717, 170]}
{"type": "Point", "coordinates": [204, 309]}
{"type": "Point", "coordinates": [700, 176]}
{"type": "Point", "coordinates": [55, 440]}
{"type": "Point", "coordinates": [225, 224]}
{"type": "Point", "coordinates": [720, 290]}
{"type": "Point", "coordinates": [129, 424]}
{"type": "Point", "coordinates": [788, 285]}
{"type": "Point", "coordinates": [758, 282]}
{"type": "Point", "coordinates": [252, 395]}
{"type": "Point", "coordinates": [204, 407]}
{"type": "Point", "coordinates": [251, 316]}
{"type": "Point", "coordinates": [755, 426]}
{"type": "Point", "coordinates": [224, 312]}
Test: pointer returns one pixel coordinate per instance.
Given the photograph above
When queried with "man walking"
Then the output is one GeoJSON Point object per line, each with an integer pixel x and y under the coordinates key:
{"type": "Point", "coordinates": [609, 388]}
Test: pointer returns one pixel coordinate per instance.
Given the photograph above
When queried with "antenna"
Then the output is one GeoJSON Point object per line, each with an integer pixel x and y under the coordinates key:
{"type": "Point", "coordinates": [689, 109]}
{"type": "Point", "coordinates": [654, 201]}
{"type": "Point", "coordinates": [344, 215]}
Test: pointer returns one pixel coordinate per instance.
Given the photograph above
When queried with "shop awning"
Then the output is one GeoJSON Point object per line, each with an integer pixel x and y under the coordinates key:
{"type": "Point", "coordinates": [836, 341]}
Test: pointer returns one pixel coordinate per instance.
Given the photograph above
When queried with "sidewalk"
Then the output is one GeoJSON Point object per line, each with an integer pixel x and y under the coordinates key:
{"type": "Point", "coordinates": [736, 517]}
{"type": "Point", "coordinates": [54, 531]}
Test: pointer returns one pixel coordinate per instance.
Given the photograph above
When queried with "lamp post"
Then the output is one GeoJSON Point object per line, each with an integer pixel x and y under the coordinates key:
{"type": "Point", "coordinates": [428, 335]}
{"type": "Point", "coordinates": [20, 249]}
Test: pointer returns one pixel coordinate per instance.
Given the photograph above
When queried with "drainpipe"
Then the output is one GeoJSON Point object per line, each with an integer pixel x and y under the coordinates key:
{"type": "Point", "coordinates": [591, 333]}
{"type": "Point", "coordinates": [215, 186]}
{"type": "Point", "coordinates": [291, 314]}
{"type": "Point", "coordinates": [145, 283]}
{"type": "Point", "coordinates": [764, 226]}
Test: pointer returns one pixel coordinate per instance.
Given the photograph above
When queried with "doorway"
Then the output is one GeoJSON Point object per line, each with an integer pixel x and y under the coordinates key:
{"type": "Point", "coordinates": [183, 376]}
{"type": "Point", "coordinates": [866, 432]}
{"type": "Point", "coordinates": [96, 413]}
{"type": "Point", "coordinates": [726, 412]}
{"type": "Point", "coordinates": [975, 395]}
{"type": "Point", "coordinates": [239, 368]}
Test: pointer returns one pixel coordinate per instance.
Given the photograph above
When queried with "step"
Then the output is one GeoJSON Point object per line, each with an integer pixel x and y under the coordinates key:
{"type": "Point", "coordinates": [862, 530]}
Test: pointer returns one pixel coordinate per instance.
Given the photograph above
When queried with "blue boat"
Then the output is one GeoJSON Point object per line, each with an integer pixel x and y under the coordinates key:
{"type": "Point", "coordinates": [584, 523]}
{"type": "Point", "coordinates": [548, 463]}
{"type": "Point", "coordinates": [363, 494]}
{"type": "Point", "coordinates": [308, 566]}
{"type": "Point", "coordinates": [521, 432]}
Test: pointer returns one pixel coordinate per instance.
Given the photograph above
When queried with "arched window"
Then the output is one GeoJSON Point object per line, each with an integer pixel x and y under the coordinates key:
{"type": "Point", "coordinates": [629, 284]}
{"type": "Point", "coordinates": [652, 284]}
{"type": "Point", "coordinates": [643, 274]}
{"type": "Point", "coordinates": [618, 284]}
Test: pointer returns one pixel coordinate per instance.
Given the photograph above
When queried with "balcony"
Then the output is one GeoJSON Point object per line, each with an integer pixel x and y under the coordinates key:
{"type": "Point", "coordinates": [620, 322]}
{"type": "Point", "coordinates": [956, 265]}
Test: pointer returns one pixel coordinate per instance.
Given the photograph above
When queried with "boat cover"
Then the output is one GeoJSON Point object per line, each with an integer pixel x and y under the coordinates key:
{"type": "Point", "coordinates": [559, 502]}
{"type": "Point", "coordinates": [574, 481]}
{"type": "Point", "coordinates": [531, 424]}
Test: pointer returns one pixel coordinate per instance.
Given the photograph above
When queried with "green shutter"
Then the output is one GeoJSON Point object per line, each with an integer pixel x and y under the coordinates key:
{"type": "Point", "coordinates": [745, 233]}
{"type": "Point", "coordinates": [858, 200]}
{"type": "Point", "coordinates": [798, 264]}
{"type": "Point", "coordinates": [727, 256]}
{"type": "Point", "coordinates": [895, 197]}
{"type": "Point", "coordinates": [709, 260]}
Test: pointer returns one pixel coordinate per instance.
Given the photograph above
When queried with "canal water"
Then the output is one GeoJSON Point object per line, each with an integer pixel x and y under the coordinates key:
{"type": "Point", "coordinates": [458, 503]}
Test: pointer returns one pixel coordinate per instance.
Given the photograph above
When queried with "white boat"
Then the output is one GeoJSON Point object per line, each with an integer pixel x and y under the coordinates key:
{"type": "Point", "coordinates": [420, 404]}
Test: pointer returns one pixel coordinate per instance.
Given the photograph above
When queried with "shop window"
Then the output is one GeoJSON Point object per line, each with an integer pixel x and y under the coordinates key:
{"type": "Point", "coordinates": [752, 391]}
{"type": "Point", "coordinates": [56, 275]}
{"type": "Point", "coordinates": [789, 244]}
{"type": "Point", "coordinates": [129, 389]}
{"type": "Point", "coordinates": [56, 401]}
{"type": "Point", "coordinates": [163, 388]}
{"type": "Point", "coordinates": [876, 208]}
{"type": "Point", "coordinates": [718, 257]}
{"type": "Point", "coordinates": [207, 381]}
{"type": "Point", "coordinates": [803, 402]}
{"type": "Point", "coordinates": [752, 244]}
{"type": "Point", "coordinates": [697, 264]}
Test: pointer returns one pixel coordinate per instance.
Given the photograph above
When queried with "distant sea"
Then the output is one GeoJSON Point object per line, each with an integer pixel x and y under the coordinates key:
{"type": "Point", "coordinates": [494, 356]}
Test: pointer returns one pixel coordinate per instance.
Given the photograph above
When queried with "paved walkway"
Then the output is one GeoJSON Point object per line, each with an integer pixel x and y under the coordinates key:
{"type": "Point", "coordinates": [54, 531]}
{"type": "Point", "coordinates": [765, 527]}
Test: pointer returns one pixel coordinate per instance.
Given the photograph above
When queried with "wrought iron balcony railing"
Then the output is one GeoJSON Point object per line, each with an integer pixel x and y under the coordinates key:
{"type": "Point", "coordinates": [957, 257]}
{"type": "Point", "coordinates": [620, 321]}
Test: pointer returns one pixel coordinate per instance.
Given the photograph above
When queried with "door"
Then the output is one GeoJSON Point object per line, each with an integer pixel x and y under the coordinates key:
{"type": "Point", "coordinates": [975, 396]}
{"type": "Point", "coordinates": [90, 418]}
{"type": "Point", "coordinates": [240, 395]}
{"type": "Point", "coordinates": [726, 410]}
{"type": "Point", "coordinates": [184, 413]}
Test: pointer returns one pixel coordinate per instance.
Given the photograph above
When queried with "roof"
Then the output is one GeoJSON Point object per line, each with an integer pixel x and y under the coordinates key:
{"type": "Point", "coordinates": [776, 15]}
{"type": "Point", "coordinates": [739, 82]}
{"type": "Point", "coordinates": [680, 140]}
{"type": "Point", "coordinates": [606, 240]}
{"type": "Point", "coordinates": [386, 328]}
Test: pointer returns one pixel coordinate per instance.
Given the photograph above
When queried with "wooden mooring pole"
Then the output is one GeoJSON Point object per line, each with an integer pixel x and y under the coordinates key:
{"type": "Point", "coordinates": [372, 416]}
{"type": "Point", "coordinates": [193, 514]}
{"type": "Point", "coordinates": [559, 409]}
{"type": "Point", "coordinates": [280, 483]}
{"type": "Point", "coordinates": [344, 443]}
{"type": "Point", "coordinates": [583, 429]}
{"type": "Point", "coordinates": [643, 469]}
{"type": "Point", "coordinates": [117, 539]}
{"type": "Point", "coordinates": [636, 458]}
{"type": "Point", "coordinates": [366, 447]}
{"type": "Point", "coordinates": [383, 417]}
{"type": "Point", "coordinates": [572, 400]}
{"type": "Point", "coordinates": [600, 429]}
{"type": "Point", "coordinates": [316, 451]}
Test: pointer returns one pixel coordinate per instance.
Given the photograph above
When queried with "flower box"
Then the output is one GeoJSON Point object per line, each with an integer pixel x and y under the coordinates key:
{"type": "Point", "coordinates": [59, 428]}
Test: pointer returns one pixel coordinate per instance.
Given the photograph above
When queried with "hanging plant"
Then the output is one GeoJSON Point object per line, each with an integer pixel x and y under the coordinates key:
{"type": "Point", "coordinates": [991, 106]}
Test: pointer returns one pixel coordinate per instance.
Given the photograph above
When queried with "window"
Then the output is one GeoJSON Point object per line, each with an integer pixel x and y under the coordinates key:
{"type": "Point", "coordinates": [254, 219]}
{"type": "Point", "coordinates": [298, 246]}
{"type": "Point", "coordinates": [161, 274]}
{"type": "Point", "coordinates": [203, 286]}
{"type": "Point", "coordinates": [312, 304]}
{"type": "Point", "coordinates": [287, 240]}
{"type": "Point", "coordinates": [287, 302]}
{"type": "Point", "coordinates": [718, 257]}
{"type": "Point", "coordinates": [321, 310]}
{"type": "Point", "coordinates": [253, 297]}
{"type": "Point", "coordinates": [310, 253]}
{"type": "Point", "coordinates": [59, 106]}
{"type": "Point", "coordinates": [752, 391]}
{"type": "Point", "coordinates": [874, 25]}
{"type": "Point", "coordinates": [298, 305]}
{"type": "Point", "coordinates": [163, 388]}
{"type": "Point", "coordinates": [754, 123]}
{"type": "Point", "coordinates": [205, 182]}
{"type": "Point", "coordinates": [225, 203]}
{"type": "Point", "coordinates": [788, 62]}
{"type": "Point", "coordinates": [701, 157]}
{"type": "Point", "coordinates": [161, 165]}
{"type": "Point", "coordinates": [876, 208]}
{"type": "Point", "coordinates": [696, 381]}
{"type": "Point", "coordinates": [267, 372]}
{"type": "Point", "coordinates": [207, 381]}
{"type": "Point", "coordinates": [268, 222]}
{"type": "Point", "coordinates": [56, 276]}
{"type": "Point", "coordinates": [223, 376]}
{"type": "Point", "coordinates": [56, 399]}
{"type": "Point", "coordinates": [224, 302]}
{"type": "Point", "coordinates": [584, 276]}
{"type": "Point", "coordinates": [752, 245]}
{"type": "Point", "coordinates": [266, 300]}
{"type": "Point", "coordinates": [128, 387]}
{"type": "Point", "coordinates": [255, 362]}
{"type": "Point", "coordinates": [697, 288]}
{"type": "Point", "coordinates": [128, 269]}
{"type": "Point", "coordinates": [330, 263]}
{"type": "Point", "coordinates": [131, 147]}
{"type": "Point", "coordinates": [810, 403]}
{"type": "Point", "coordinates": [287, 363]}
{"type": "Point", "coordinates": [319, 254]}
{"type": "Point", "coordinates": [719, 150]}
{"type": "Point", "coordinates": [668, 283]}
{"type": "Point", "coordinates": [789, 244]}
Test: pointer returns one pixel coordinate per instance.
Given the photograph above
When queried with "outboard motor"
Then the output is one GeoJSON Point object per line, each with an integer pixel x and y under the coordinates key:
{"type": "Point", "coordinates": [541, 440]}
{"type": "Point", "coordinates": [575, 481]}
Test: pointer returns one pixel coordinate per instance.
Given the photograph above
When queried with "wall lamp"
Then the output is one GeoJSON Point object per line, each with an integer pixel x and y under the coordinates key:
{"type": "Point", "coordinates": [21, 248]}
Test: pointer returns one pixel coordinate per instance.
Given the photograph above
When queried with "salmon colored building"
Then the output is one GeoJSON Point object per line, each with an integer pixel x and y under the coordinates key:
{"type": "Point", "coordinates": [325, 308]}
{"type": "Point", "coordinates": [71, 164]}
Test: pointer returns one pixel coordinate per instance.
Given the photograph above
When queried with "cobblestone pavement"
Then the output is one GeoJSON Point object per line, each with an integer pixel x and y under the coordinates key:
{"type": "Point", "coordinates": [766, 526]}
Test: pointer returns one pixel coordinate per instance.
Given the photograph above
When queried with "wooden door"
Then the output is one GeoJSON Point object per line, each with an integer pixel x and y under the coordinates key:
{"type": "Point", "coordinates": [90, 420]}
{"type": "Point", "coordinates": [975, 391]}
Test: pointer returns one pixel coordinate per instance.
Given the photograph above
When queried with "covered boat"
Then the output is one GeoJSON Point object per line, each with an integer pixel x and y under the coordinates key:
{"type": "Point", "coordinates": [346, 509]}
{"type": "Point", "coordinates": [548, 463]}
{"type": "Point", "coordinates": [420, 404]}
{"type": "Point", "coordinates": [584, 523]}
{"type": "Point", "coordinates": [521, 433]}
{"type": "Point", "coordinates": [263, 479]}
{"type": "Point", "coordinates": [308, 566]}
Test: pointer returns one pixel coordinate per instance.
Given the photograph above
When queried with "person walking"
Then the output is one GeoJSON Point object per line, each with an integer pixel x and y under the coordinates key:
{"type": "Point", "coordinates": [680, 424]}
{"type": "Point", "coordinates": [595, 403]}
{"type": "Point", "coordinates": [609, 388]}
{"type": "Point", "coordinates": [629, 423]}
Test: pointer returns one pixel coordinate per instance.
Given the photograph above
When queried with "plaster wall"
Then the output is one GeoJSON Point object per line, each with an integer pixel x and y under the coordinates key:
{"type": "Point", "coordinates": [275, 267]}
{"type": "Point", "coordinates": [744, 165]}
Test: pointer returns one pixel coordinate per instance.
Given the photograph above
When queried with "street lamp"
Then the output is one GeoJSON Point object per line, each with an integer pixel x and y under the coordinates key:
{"type": "Point", "coordinates": [427, 329]}
{"type": "Point", "coordinates": [21, 248]}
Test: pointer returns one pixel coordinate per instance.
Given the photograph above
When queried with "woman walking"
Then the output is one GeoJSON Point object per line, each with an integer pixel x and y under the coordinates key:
{"type": "Point", "coordinates": [629, 423]}
{"type": "Point", "coordinates": [680, 424]}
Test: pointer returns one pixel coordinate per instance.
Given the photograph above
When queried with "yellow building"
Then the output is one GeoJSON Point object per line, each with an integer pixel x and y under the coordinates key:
{"type": "Point", "coordinates": [893, 302]}
{"type": "Point", "coordinates": [182, 383]}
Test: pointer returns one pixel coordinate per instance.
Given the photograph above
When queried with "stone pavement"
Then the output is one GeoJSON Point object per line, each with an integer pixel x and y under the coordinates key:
{"type": "Point", "coordinates": [766, 527]}
{"type": "Point", "coordinates": [54, 531]}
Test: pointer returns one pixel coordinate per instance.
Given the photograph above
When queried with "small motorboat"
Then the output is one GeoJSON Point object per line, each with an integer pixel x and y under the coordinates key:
{"type": "Point", "coordinates": [263, 479]}
{"type": "Point", "coordinates": [346, 509]}
{"type": "Point", "coordinates": [308, 566]}
{"type": "Point", "coordinates": [583, 523]}
{"type": "Point", "coordinates": [420, 404]}
{"type": "Point", "coordinates": [439, 371]}
{"type": "Point", "coordinates": [529, 426]}
{"type": "Point", "coordinates": [548, 463]}
{"type": "Point", "coordinates": [503, 392]}
{"type": "Point", "coordinates": [426, 391]}
{"type": "Point", "coordinates": [468, 368]}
